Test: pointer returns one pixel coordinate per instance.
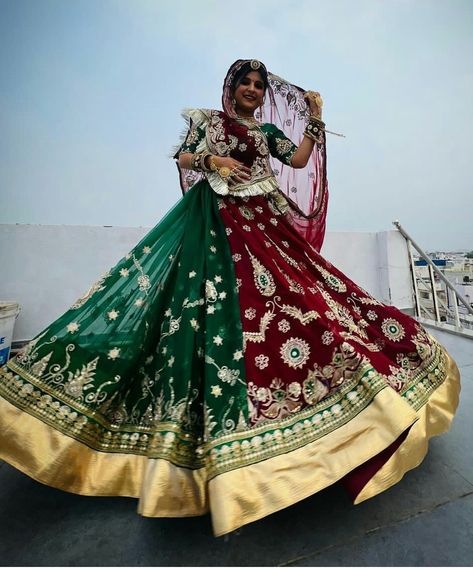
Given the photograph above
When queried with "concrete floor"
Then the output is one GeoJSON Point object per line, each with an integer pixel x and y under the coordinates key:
{"type": "Point", "coordinates": [426, 519]}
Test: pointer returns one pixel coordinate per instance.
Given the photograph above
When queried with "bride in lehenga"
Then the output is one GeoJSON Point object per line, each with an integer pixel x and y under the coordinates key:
{"type": "Point", "coordinates": [223, 365]}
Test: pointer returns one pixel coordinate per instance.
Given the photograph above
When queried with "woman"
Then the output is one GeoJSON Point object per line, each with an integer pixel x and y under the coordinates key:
{"type": "Point", "coordinates": [223, 365]}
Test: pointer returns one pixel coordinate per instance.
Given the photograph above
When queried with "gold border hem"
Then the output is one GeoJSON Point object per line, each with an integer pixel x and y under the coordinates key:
{"type": "Point", "coordinates": [250, 493]}
{"type": "Point", "coordinates": [245, 494]}
{"type": "Point", "coordinates": [435, 418]}
{"type": "Point", "coordinates": [54, 459]}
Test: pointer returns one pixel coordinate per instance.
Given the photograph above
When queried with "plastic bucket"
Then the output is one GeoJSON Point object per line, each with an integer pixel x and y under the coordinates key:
{"type": "Point", "coordinates": [8, 315]}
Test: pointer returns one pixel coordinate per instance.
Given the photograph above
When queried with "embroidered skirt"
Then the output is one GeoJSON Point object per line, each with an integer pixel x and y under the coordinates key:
{"type": "Point", "coordinates": [223, 365]}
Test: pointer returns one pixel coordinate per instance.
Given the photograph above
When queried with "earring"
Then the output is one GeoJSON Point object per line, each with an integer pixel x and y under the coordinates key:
{"type": "Point", "coordinates": [233, 102]}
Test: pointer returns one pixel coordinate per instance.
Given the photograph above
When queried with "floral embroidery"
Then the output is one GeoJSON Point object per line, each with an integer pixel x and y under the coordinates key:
{"type": "Point", "coordinates": [216, 390]}
{"type": "Point", "coordinates": [275, 402]}
{"type": "Point", "coordinates": [295, 352]}
{"type": "Point", "coordinates": [332, 281]}
{"type": "Point", "coordinates": [238, 355]}
{"type": "Point", "coordinates": [342, 315]}
{"type": "Point", "coordinates": [294, 286]}
{"type": "Point", "coordinates": [392, 329]}
{"type": "Point", "coordinates": [79, 380]}
{"type": "Point", "coordinates": [283, 145]}
{"type": "Point", "coordinates": [144, 283]}
{"type": "Point", "coordinates": [261, 361]}
{"type": "Point", "coordinates": [246, 212]}
{"type": "Point", "coordinates": [210, 291]}
{"type": "Point", "coordinates": [263, 279]}
{"type": "Point", "coordinates": [284, 326]}
{"type": "Point", "coordinates": [313, 389]}
{"type": "Point", "coordinates": [260, 141]}
{"type": "Point", "coordinates": [113, 353]}
{"type": "Point", "coordinates": [250, 313]}
{"type": "Point", "coordinates": [327, 338]}
{"type": "Point", "coordinates": [192, 137]}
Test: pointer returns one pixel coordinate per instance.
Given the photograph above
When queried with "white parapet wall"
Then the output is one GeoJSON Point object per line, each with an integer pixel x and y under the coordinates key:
{"type": "Point", "coordinates": [47, 267]}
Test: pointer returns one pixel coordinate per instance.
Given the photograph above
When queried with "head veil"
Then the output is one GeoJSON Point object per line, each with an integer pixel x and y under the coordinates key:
{"type": "Point", "coordinates": [306, 189]}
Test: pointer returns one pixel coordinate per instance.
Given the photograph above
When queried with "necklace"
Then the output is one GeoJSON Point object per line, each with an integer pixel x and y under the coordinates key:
{"type": "Point", "coordinates": [250, 120]}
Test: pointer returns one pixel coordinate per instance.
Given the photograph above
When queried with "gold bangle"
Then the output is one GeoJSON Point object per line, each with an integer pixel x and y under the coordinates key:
{"type": "Point", "coordinates": [212, 164]}
{"type": "Point", "coordinates": [203, 157]}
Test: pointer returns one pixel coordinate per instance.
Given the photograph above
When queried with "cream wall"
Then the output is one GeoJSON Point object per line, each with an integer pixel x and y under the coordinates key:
{"type": "Point", "coordinates": [47, 267]}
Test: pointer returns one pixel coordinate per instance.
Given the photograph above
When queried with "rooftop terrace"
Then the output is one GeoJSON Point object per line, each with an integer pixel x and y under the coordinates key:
{"type": "Point", "coordinates": [426, 519]}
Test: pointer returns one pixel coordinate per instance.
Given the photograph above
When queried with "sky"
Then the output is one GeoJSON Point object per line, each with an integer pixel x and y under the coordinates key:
{"type": "Point", "coordinates": [91, 93]}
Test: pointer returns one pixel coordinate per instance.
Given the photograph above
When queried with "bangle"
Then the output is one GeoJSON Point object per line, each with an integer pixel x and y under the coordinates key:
{"type": "Point", "coordinates": [203, 157]}
{"type": "Point", "coordinates": [315, 130]}
{"type": "Point", "coordinates": [213, 166]}
{"type": "Point", "coordinates": [224, 172]}
{"type": "Point", "coordinates": [195, 162]}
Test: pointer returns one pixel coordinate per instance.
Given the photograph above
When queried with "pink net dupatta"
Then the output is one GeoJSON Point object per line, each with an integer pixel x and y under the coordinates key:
{"type": "Point", "coordinates": [306, 189]}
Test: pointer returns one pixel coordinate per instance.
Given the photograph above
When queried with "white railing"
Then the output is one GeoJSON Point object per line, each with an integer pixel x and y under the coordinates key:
{"type": "Point", "coordinates": [437, 312]}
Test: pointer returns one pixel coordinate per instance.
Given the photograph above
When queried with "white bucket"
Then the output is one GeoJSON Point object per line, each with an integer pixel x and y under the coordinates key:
{"type": "Point", "coordinates": [8, 314]}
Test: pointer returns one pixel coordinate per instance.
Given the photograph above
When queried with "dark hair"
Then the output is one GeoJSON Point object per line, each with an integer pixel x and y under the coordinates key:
{"type": "Point", "coordinates": [243, 72]}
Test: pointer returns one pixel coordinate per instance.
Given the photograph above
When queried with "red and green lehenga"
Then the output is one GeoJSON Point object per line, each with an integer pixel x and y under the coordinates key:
{"type": "Point", "coordinates": [223, 365]}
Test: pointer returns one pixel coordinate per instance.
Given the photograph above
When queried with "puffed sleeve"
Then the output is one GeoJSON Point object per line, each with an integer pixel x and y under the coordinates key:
{"type": "Point", "coordinates": [194, 136]}
{"type": "Point", "coordinates": [280, 146]}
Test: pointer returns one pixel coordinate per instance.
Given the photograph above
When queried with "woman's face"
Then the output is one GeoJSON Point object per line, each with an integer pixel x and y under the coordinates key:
{"type": "Point", "coordinates": [249, 94]}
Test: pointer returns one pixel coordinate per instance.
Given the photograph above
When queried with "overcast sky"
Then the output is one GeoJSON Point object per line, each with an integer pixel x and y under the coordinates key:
{"type": "Point", "coordinates": [91, 93]}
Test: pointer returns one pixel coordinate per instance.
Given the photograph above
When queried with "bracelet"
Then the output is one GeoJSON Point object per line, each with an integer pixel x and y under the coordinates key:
{"type": "Point", "coordinates": [195, 162]}
{"type": "Point", "coordinates": [315, 130]}
{"type": "Point", "coordinates": [203, 157]}
{"type": "Point", "coordinates": [213, 166]}
{"type": "Point", "coordinates": [198, 161]}
{"type": "Point", "coordinates": [224, 172]}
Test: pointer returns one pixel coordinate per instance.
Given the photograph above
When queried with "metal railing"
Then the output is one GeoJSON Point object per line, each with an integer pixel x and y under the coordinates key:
{"type": "Point", "coordinates": [451, 314]}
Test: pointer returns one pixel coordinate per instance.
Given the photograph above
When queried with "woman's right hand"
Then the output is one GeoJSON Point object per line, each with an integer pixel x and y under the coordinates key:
{"type": "Point", "coordinates": [239, 172]}
{"type": "Point", "coordinates": [315, 103]}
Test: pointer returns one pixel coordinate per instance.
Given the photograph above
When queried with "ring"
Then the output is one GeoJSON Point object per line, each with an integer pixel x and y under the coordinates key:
{"type": "Point", "coordinates": [224, 172]}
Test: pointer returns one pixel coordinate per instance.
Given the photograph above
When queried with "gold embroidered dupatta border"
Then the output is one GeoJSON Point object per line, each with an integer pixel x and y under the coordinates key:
{"type": "Point", "coordinates": [243, 495]}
